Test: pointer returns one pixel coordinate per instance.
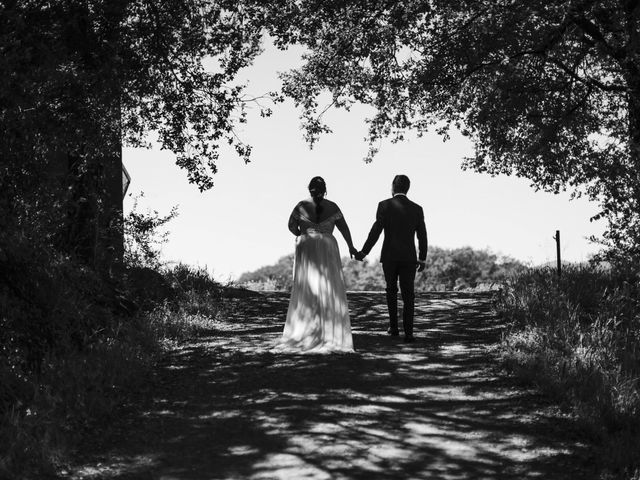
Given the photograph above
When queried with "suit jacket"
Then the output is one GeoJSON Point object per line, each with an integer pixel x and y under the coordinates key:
{"type": "Point", "coordinates": [400, 219]}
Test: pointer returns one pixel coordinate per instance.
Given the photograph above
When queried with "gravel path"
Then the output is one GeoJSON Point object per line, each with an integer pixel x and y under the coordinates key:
{"type": "Point", "coordinates": [224, 407]}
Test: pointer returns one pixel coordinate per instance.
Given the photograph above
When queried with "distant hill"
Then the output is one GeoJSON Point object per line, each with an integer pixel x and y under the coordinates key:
{"type": "Point", "coordinates": [447, 269]}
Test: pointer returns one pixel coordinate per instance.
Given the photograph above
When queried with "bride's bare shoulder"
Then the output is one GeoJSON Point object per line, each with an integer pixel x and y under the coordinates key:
{"type": "Point", "coordinates": [332, 207]}
{"type": "Point", "coordinates": [304, 207]}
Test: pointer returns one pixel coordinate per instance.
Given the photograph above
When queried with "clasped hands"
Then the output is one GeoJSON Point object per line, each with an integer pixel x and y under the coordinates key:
{"type": "Point", "coordinates": [354, 253]}
{"type": "Point", "coordinates": [359, 255]}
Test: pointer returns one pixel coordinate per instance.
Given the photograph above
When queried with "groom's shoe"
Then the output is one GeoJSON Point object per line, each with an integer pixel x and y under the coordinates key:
{"type": "Point", "coordinates": [393, 332]}
{"type": "Point", "coordinates": [409, 339]}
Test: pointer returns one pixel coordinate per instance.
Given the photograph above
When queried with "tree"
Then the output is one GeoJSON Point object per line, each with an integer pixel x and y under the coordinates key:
{"type": "Point", "coordinates": [548, 90]}
{"type": "Point", "coordinates": [277, 276]}
{"type": "Point", "coordinates": [464, 267]}
{"type": "Point", "coordinates": [82, 77]}
{"type": "Point", "coordinates": [446, 269]}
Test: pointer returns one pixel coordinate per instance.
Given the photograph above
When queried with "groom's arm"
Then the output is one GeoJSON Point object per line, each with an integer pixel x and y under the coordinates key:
{"type": "Point", "coordinates": [376, 230]}
{"type": "Point", "coordinates": [423, 243]}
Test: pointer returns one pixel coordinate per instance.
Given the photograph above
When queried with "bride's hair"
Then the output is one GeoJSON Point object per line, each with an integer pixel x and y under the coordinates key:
{"type": "Point", "coordinates": [317, 189]}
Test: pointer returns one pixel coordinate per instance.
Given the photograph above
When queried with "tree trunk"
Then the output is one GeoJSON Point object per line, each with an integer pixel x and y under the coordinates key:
{"type": "Point", "coordinates": [97, 217]}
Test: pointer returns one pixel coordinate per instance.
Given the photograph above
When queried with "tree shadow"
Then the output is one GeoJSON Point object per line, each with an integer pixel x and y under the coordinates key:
{"type": "Point", "coordinates": [228, 407]}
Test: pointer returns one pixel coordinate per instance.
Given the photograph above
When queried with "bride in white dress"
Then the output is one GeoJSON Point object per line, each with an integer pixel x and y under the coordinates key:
{"type": "Point", "coordinates": [318, 315]}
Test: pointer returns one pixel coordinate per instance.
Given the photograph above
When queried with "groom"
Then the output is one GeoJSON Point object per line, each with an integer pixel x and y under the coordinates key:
{"type": "Point", "coordinates": [401, 219]}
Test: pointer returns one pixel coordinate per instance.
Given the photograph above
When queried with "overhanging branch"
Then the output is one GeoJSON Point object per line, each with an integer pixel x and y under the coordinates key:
{"type": "Point", "coordinates": [593, 82]}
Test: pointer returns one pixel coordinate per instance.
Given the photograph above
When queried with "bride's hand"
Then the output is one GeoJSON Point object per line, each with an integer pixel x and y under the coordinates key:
{"type": "Point", "coordinates": [352, 251]}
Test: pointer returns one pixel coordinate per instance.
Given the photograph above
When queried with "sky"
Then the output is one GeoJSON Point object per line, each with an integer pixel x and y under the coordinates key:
{"type": "Point", "coordinates": [241, 223]}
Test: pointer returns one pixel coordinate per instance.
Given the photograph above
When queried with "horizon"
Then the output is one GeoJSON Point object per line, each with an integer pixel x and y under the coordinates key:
{"type": "Point", "coordinates": [500, 259]}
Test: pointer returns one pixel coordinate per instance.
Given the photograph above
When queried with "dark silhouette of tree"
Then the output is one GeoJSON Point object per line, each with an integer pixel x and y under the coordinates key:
{"type": "Point", "coordinates": [447, 269]}
{"type": "Point", "coordinates": [547, 90]}
{"type": "Point", "coordinates": [82, 77]}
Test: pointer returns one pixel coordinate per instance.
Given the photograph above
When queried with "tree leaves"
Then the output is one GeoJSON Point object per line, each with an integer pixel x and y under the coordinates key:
{"type": "Point", "coordinates": [544, 88]}
{"type": "Point", "coordinates": [71, 65]}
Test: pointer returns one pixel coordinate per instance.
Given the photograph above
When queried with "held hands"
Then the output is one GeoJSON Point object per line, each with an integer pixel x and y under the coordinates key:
{"type": "Point", "coordinates": [354, 253]}
{"type": "Point", "coordinates": [421, 265]}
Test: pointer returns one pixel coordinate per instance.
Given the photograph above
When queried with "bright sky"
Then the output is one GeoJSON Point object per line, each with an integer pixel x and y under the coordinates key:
{"type": "Point", "coordinates": [241, 224]}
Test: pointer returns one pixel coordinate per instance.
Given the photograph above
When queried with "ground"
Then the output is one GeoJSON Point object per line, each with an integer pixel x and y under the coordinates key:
{"type": "Point", "coordinates": [225, 407]}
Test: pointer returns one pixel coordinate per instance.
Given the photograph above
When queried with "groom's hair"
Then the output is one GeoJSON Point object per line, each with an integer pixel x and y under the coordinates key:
{"type": "Point", "coordinates": [401, 184]}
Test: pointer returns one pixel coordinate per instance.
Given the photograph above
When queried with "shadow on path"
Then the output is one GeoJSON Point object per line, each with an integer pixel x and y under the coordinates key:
{"type": "Point", "coordinates": [225, 407]}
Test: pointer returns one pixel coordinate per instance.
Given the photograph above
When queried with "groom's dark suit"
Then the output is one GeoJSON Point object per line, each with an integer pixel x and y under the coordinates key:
{"type": "Point", "coordinates": [400, 219]}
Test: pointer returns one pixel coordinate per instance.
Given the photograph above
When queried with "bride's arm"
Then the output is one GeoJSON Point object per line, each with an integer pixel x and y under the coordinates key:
{"type": "Point", "coordinates": [294, 226]}
{"type": "Point", "coordinates": [341, 223]}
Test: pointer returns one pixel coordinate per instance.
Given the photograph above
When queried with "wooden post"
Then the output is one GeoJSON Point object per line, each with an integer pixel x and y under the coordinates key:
{"type": "Point", "coordinates": [557, 238]}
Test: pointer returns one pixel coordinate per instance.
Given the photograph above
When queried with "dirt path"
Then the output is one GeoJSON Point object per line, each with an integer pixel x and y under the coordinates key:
{"type": "Point", "coordinates": [224, 407]}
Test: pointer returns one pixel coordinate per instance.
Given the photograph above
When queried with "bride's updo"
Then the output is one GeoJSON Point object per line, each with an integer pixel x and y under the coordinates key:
{"type": "Point", "coordinates": [317, 189]}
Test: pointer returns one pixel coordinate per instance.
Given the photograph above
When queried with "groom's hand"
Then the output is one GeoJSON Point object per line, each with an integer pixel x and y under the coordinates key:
{"type": "Point", "coordinates": [421, 265]}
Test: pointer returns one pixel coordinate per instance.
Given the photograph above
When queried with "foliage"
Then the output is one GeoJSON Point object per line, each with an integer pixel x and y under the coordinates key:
{"type": "Point", "coordinates": [79, 69]}
{"type": "Point", "coordinates": [447, 269]}
{"type": "Point", "coordinates": [57, 307]}
{"type": "Point", "coordinates": [579, 339]}
{"type": "Point", "coordinates": [78, 386]}
{"type": "Point", "coordinates": [547, 90]}
{"type": "Point", "coordinates": [75, 346]}
{"type": "Point", "coordinates": [61, 326]}
{"type": "Point", "coordinates": [271, 277]}
{"type": "Point", "coordinates": [194, 292]}
{"type": "Point", "coordinates": [81, 78]}
{"type": "Point", "coordinates": [84, 77]}
{"type": "Point", "coordinates": [464, 268]}
{"type": "Point", "coordinates": [142, 235]}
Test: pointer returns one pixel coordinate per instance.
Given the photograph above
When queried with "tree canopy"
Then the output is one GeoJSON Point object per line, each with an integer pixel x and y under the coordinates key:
{"type": "Point", "coordinates": [76, 68]}
{"type": "Point", "coordinates": [83, 77]}
{"type": "Point", "coordinates": [546, 90]}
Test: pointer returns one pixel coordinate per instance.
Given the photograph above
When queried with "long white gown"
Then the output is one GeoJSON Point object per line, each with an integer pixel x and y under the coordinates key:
{"type": "Point", "coordinates": [318, 314]}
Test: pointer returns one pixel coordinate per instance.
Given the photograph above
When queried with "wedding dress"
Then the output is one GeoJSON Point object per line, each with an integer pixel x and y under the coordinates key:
{"type": "Point", "coordinates": [318, 314]}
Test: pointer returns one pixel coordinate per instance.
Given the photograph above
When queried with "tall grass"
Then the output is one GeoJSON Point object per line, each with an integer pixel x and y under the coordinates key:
{"type": "Point", "coordinates": [74, 375]}
{"type": "Point", "coordinates": [578, 338]}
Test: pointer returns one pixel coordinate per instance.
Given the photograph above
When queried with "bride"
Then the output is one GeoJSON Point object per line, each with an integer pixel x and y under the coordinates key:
{"type": "Point", "coordinates": [318, 315]}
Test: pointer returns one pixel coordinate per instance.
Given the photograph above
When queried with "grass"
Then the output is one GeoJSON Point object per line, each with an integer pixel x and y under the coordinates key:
{"type": "Point", "coordinates": [578, 338]}
{"type": "Point", "coordinates": [46, 409]}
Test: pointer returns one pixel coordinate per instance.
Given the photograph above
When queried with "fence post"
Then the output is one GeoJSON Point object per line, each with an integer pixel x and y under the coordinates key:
{"type": "Point", "coordinates": [557, 239]}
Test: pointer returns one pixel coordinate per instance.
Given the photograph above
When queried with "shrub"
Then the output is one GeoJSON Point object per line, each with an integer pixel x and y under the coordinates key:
{"type": "Point", "coordinates": [74, 345]}
{"type": "Point", "coordinates": [143, 235]}
{"type": "Point", "coordinates": [447, 269]}
{"type": "Point", "coordinates": [578, 337]}
{"type": "Point", "coordinates": [279, 275]}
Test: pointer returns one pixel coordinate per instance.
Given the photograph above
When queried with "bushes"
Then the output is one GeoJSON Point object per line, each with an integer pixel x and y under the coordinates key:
{"type": "Point", "coordinates": [271, 277]}
{"type": "Point", "coordinates": [61, 353]}
{"type": "Point", "coordinates": [194, 305]}
{"type": "Point", "coordinates": [447, 269]}
{"type": "Point", "coordinates": [74, 345]}
{"type": "Point", "coordinates": [578, 337]}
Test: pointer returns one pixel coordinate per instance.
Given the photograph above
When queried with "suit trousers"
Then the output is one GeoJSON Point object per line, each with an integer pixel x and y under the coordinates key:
{"type": "Point", "coordinates": [406, 273]}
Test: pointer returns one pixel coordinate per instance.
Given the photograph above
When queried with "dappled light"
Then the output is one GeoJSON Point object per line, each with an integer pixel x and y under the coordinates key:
{"type": "Point", "coordinates": [227, 406]}
{"type": "Point", "coordinates": [318, 313]}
